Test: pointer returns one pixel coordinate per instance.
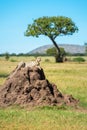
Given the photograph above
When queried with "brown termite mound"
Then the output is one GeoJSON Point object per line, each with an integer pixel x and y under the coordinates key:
{"type": "Point", "coordinates": [27, 86]}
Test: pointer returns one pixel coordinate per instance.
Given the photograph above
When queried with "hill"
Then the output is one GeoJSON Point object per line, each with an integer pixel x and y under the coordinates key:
{"type": "Point", "coordinates": [72, 49]}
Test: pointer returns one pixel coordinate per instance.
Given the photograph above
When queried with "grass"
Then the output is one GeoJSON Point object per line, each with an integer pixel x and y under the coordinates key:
{"type": "Point", "coordinates": [47, 118]}
{"type": "Point", "coordinates": [70, 78]}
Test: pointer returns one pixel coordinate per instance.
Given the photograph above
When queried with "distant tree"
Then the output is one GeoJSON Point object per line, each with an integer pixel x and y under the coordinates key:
{"type": "Point", "coordinates": [7, 56]}
{"type": "Point", "coordinates": [85, 48]}
{"type": "Point", "coordinates": [13, 54]}
{"type": "Point", "coordinates": [53, 52]}
{"type": "Point", "coordinates": [20, 54]}
{"type": "Point", "coordinates": [52, 27]}
{"type": "Point", "coordinates": [85, 43]}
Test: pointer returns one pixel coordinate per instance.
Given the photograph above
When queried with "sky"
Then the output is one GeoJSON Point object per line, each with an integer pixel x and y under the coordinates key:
{"type": "Point", "coordinates": [15, 15]}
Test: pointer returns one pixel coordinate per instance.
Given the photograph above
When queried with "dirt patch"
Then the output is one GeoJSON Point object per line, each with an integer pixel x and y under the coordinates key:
{"type": "Point", "coordinates": [28, 86]}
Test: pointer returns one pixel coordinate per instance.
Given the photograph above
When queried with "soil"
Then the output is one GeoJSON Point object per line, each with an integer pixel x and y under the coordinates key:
{"type": "Point", "coordinates": [28, 86]}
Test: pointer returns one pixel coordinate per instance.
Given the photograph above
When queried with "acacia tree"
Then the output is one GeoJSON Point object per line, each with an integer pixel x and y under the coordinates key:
{"type": "Point", "coordinates": [52, 27]}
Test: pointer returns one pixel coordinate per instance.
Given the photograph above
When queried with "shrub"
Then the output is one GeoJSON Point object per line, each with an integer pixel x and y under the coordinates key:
{"type": "Point", "coordinates": [79, 59]}
{"type": "Point", "coordinates": [47, 60]}
{"type": "Point", "coordinates": [13, 60]}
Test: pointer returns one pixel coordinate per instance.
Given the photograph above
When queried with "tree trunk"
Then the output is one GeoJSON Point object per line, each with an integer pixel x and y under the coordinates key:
{"type": "Point", "coordinates": [58, 57]}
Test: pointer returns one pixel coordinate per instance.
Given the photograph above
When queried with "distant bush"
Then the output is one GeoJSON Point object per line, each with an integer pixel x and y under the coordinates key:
{"type": "Point", "coordinates": [47, 60]}
{"type": "Point", "coordinates": [13, 60]}
{"type": "Point", "coordinates": [79, 59]}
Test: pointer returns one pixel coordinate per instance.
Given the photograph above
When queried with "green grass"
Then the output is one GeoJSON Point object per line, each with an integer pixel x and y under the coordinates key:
{"type": "Point", "coordinates": [70, 78]}
{"type": "Point", "coordinates": [42, 118]}
{"type": "Point", "coordinates": [47, 118]}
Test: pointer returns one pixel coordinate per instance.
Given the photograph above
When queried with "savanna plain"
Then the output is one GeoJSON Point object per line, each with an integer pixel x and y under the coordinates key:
{"type": "Point", "coordinates": [70, 78]}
